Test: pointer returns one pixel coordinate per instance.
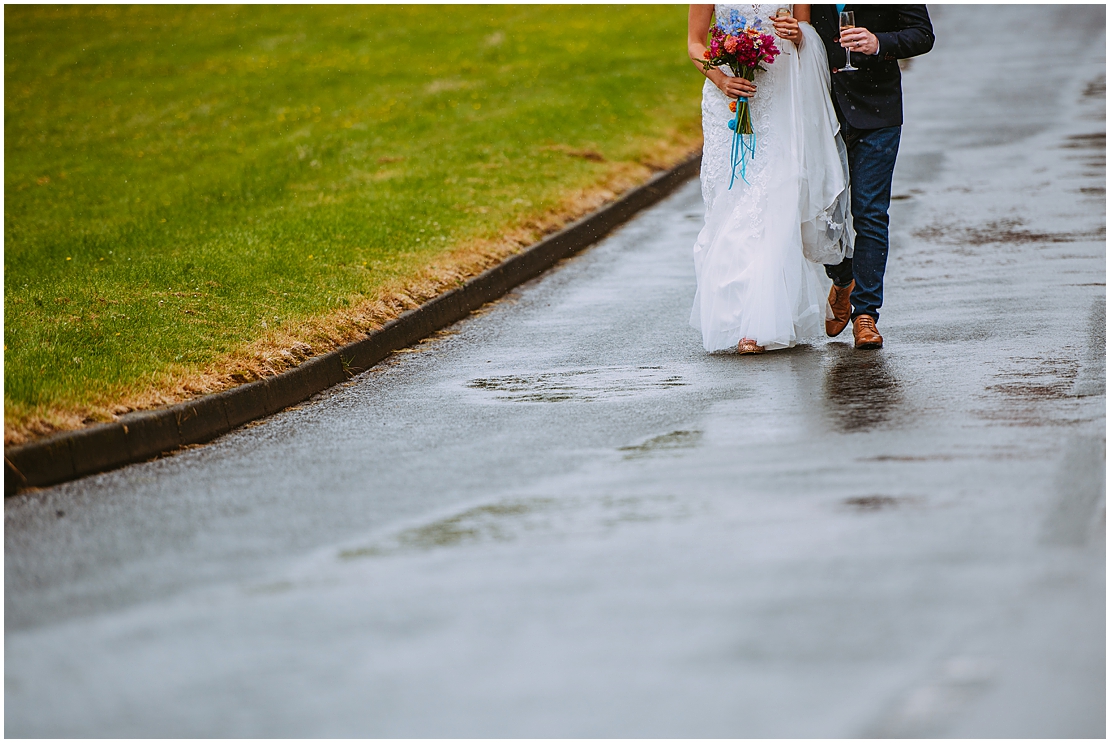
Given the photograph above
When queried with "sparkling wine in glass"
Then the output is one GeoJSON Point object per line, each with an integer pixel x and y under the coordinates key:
{"type": "Point", "coordinates": [783, 11]}
{"type": "Point", "coordinates": [847, 20]}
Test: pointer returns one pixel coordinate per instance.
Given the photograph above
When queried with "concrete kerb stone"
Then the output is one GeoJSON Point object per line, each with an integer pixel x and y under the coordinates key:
{"type": "Point", "coordinates": [149, 433]}
{"type": "Point", "coordinates": [47, 462]}
{"type": "Point", "coordinates": [315, 375]}
{"type": "Point", "coordinates": [143, 435]}
{"type": "Point", "coordinates": [241, 404]}
{"type": "Point", "coordinates": [99, 447]}
{"type": "Point", "coordinates": [201, 420]}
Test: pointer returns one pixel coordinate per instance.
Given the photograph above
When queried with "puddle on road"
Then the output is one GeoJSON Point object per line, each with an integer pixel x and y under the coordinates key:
{"type": "Point", "coordinates": [1093, 151]}
{"type": "Point", "coordinates": [486, 522]}
{"type": "Point", "coordinates": [877, 502]}
{"type": "Point", "coordinates": [1037, 378]}
{"type": "Point", "coordinates": [579, 385]}
{"type": "Point", "coordinates": [1028, 385]}
{"type": "Point", "coordinates": [510, 520]}
{"type": "Point", "coordinates": [674, 440]}
{"type": "Point", "coordinates": [895, 458]}
{"type": "Point", "coordinates": [1009, 231]}
{"type": "Point", "coordinates": [1096, 88]}
{"type": "Point", "coordinates": [494, 522]}
{"type": "Point", "coordinates": [1093, 141]}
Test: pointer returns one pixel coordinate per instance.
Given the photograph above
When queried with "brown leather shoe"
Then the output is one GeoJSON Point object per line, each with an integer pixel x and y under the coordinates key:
{"type": "Point", "coordinates": [840, 299]}
{"type": "Point", "coordinates": [865, 332]}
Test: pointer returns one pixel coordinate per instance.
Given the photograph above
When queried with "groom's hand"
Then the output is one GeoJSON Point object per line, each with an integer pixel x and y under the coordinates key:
{"type": "Point", "coordinates": [859, 40]}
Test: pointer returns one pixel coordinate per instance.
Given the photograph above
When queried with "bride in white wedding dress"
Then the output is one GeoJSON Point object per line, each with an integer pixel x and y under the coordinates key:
{"type": "Point", "coordinates": [759, 256]}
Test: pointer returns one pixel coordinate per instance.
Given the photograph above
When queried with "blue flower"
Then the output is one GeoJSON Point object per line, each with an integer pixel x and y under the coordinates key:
{"type": "Point", "coordinates": [732, 25]}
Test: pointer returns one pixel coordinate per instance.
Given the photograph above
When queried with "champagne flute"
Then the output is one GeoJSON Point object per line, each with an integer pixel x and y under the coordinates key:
{"type": "Point", "coordinates": [783, 11]}
{"type": "Point", "coordinates": [847, 20]}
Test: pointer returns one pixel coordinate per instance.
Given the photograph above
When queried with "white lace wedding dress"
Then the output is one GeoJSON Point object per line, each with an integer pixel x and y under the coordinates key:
{"type": "Point", "coordinates": [758, 257]}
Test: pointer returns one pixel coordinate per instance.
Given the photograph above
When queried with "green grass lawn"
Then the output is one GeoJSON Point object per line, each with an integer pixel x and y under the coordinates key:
{"type": "Point", "coordinates": [178, 180]}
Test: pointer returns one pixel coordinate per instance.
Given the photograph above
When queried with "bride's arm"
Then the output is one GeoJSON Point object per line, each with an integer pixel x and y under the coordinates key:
{"type": "Point", "coordinates": [698, 30]}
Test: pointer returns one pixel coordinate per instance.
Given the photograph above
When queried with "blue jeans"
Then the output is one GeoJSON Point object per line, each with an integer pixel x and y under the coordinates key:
{"type": "Point", "coordinates": [871, 156]}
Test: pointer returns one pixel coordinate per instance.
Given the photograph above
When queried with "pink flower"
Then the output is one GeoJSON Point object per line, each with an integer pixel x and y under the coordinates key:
{"type": "Point", "coordinates": [748, 49]}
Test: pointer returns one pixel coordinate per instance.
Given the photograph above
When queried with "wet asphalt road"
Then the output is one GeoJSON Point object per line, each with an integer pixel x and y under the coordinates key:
{"type": "Point", "coordinates": [563, 518]}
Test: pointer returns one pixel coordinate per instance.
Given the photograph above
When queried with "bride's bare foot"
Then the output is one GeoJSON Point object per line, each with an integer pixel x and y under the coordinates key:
{"type": "Point", "coordinates": [747, 345]}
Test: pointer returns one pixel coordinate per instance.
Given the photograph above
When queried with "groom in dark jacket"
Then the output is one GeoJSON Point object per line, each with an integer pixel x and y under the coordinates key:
{"type": "Point", "coordinates": [868, 102]}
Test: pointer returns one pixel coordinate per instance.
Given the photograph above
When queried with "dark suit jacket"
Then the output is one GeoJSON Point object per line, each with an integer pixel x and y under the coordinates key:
{"type": "Point", "coordinates": [871, 98]}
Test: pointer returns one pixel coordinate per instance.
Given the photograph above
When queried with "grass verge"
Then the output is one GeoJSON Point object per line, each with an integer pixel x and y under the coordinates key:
{"type": "Point", "coordinates": [199, 196]}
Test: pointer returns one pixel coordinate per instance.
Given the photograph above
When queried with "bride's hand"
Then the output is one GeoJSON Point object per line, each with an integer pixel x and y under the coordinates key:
{"type": "Point", "coordinates": [786, 27]}
{"type": "Point", "coordinates": [737, 87]}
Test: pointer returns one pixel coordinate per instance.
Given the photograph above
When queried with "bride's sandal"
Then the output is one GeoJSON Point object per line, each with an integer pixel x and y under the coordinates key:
{"type": "Point", "coordinates": [747, 345]}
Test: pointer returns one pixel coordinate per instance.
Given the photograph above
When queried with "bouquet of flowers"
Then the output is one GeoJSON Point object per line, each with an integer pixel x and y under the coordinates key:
{"type": "Point", "coordinates": [744, 48]}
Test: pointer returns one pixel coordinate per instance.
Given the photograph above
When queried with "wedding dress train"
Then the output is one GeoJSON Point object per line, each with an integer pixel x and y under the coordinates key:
{"type": "Point", "coordinates": [759, 257]}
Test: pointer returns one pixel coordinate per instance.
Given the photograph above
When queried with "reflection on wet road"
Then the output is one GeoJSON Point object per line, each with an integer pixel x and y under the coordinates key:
{"type": "Point", "coordinates": [861, 391]}
{"type": "Point", "coordinates": [566, 520]}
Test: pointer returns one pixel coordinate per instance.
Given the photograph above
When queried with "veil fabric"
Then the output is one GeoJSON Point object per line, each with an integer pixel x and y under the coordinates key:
{"type": "Point", "coordinates": [824, 209]}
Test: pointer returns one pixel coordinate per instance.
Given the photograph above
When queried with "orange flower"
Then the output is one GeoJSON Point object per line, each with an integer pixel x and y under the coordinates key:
{"type": "Point", "coordinates": [732, 106]}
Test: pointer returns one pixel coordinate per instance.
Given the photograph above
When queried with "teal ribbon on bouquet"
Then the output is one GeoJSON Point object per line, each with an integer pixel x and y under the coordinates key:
{"type": "Point", "coordinates": [743, 146]}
